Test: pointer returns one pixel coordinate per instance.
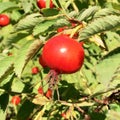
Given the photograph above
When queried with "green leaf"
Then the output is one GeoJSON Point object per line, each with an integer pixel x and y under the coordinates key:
{"type": "Point", "coordinates": [5, 32]}
{"type": "Point", "coordinates": [15, 15]}
{"type": "Point", "coordinates": [43, 26]}
{"type": "Point", "coordinates": [25, 53]}
{"type": "Point", "coordinates": [107, 68]}
{"type": "Point", "coordinates": [80, 83]}
{"type": "Point", "coordinates": [112, 40]}
{"type": "Point", "coordinates": [113, 115]}
{"type": "Point", "coordinates": [6, 66]}
{"type": "Point", "coordinates": [40, 100]}
{"type": "Point", "coordinates": [61, 23]}
{"type": "Point", "coordinates": [115, 107]}
{"type": "Point", "coordinates": [49, 12]}
{"type": "Point", "coordinates": [15, 37]}
{"type": "Point", "coordinates": [29, 21]}
{"type": "Point", "coordinates": [6, 83]}
{"type": "Point", "coordinates": [88, 13]}
{"type": "Point", "coordinates": [100, 25]}
{"type": "Point", "coordinates": [27, 5]}
{"type": "Point", "coordinates": [106, 12]}
{"type": "Point", "coordinates": [17, 86]}
{"type": "Point", "coordinates": [4, 6]}
{"type": "Point", "coordinates": [116, 5]}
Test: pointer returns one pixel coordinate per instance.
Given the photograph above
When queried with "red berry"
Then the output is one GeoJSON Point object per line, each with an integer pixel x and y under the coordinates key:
{"type": "Point", "coordinates": [42, 4]}
{"type": "Point", "coordinates": [42, 62]}
{"type": "Point", "coordinates": [63, 54]}
{"type": "Point", "coordinates": [35, 70]}
{"type": "Point", "coordinates": [73, 24]}
{"type": "Point", "coordinates": [63, 115]}
{"type": "Point", "coordinates": [61, 29]}
{"type": "Point", "coordinates": [49, 93]}
{"type": "Point", "coordinates": [15, 100]}
{"type": "Point", "coordinates": [40, 90]}
{"type": "Point", "coordinates": [4, 20]}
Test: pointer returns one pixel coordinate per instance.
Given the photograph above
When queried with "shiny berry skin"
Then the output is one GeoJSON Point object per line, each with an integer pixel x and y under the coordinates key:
{"type": "Point", "coordinates": [35, 70]}
{"type": "Point", "coordinates": [40, 90]}
{"type": "Point", "coordinates": [42, 63]}
{"type": "Point", "coordinates": [4, 20]}
{"type": "Point", "coordinates": [63, 54]}
{"type": "Point", "coordinates": [49, 93]}
{"type": "Point", "coordinates": [42, 4]}
{"type": "Point", "coordinates": [15, 100]}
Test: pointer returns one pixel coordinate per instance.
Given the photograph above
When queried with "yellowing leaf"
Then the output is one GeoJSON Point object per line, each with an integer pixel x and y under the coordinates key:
{"type": "Point", "coordinates": [40, 100]}
{"type": "Point", "coordinates": [97, 40]}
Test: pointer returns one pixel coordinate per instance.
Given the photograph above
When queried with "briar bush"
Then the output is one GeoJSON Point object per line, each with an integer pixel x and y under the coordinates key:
{"type": "Point", "coordinates": [93, 92]}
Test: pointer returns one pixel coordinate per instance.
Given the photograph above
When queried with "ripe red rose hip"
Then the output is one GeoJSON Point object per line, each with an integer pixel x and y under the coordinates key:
{"type": "Point", "coordinates": [35, 70]}
{"type": "Point", "coordinates": [15, 100]}
{"type": "Point", "coordinates": [4, 20]}
{"type": "Point", "coordinates": [42, 63]}
{"type": "Point", "coordinates": [42, 4]}
{"type": "Point", "coordinates": [63, 54]}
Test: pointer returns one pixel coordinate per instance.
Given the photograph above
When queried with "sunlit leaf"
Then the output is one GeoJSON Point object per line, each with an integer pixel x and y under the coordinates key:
{"type": "Point", "coordinates": [26, 52]}
{"type": "Point", "coordinates": [40, 100]}
{"type": "Point", "coordinates": [100, 25]}
{"type": "Point", "coordinates": [7, 5]}
{"type": "Point", "coordinates": [88, 13]}
{"type": "Point", "coordinates": [43, 26]}
{"type": "Point", "coordinates": [17, 86]}
{"type": "Point", "coordinates": [113, 115]}
{"type": "Point", "coordinates": [107, 67]}
{"type": "Point", "coordinates": [29, 22]}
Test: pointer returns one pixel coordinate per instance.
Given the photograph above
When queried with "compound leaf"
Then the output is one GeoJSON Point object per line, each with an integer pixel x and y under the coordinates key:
{"type": "Point", "coordinates": [43, 26]}
{"type": "Point", "coordinates": [88, 13]}
{"type": "Point", "coordinates": [106, 12]}
{"type": "Point", "coordinates": [100, 25]}
{"type": "Point", "coordinates": [29, 22]}
{"type": "Point", "coordinates": [25, 53]}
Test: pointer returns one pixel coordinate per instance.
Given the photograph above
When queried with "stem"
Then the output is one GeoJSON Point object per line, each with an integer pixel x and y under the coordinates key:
{"type": "Point", "coordinates": [75, 30]}
{"type": "Point", "coordinates": [15, 109]}
{"type": "Point", "coordinates": [74, 6]}
{"type": "Point", "coordinates": [53, 17]}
